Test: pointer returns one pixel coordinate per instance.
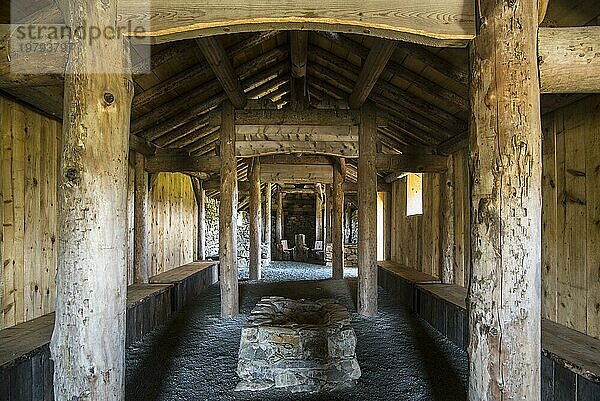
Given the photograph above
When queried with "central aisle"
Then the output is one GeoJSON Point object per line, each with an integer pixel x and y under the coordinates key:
{"type": "Point", "coordinates": [194, 357]}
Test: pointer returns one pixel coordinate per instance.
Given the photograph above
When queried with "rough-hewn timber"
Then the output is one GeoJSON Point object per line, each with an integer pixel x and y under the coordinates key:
{"type": "Point", "coordinates": [91, 279]}
{"type": "Point", "coordinates": [141, 255]}
{"type": "Point", "coordinates": [339, 175]}
{"type": "Point", "coordinates": [255, 220]}
{"type": "Point", "coordinates": [504, 291]}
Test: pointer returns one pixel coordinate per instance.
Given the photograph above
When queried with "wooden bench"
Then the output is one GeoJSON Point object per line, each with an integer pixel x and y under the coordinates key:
{"type": "Point", "coordinates": [188, 281]}
{"type": "Point", "coordinates": [401, 281]}
{"type": "Point", "coordinates": [570, 359]}
{"type": "Point", "coordinates": [25, 367]}
{"type": "Point", "coordinates": [444, 307]}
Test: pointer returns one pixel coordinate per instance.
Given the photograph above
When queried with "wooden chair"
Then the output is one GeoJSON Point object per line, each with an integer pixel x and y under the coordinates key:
{"type": "Point", "coordinates": [318, 251]}
{"type": "Point", "coordinates": [286, 252]}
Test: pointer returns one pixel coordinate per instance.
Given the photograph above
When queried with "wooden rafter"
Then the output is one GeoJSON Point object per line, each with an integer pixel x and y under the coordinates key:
{"type": "Point", "coordinates": [299, 52]}
{"type": "Point", "coordinates": [221, 65]}
{"type": "Point", "coordinates": [372, 68]}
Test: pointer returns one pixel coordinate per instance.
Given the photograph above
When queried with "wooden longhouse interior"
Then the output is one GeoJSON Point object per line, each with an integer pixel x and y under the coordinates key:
{"type": "Point", "coordinates": [428, 171]}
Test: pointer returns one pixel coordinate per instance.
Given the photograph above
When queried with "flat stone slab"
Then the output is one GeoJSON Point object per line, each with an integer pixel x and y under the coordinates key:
{"type": "Point", "coordinates": [297, 345]}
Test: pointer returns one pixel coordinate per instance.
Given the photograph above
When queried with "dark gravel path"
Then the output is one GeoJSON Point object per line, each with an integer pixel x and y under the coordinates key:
{"type": "Point", "coordinates": [194, 357]}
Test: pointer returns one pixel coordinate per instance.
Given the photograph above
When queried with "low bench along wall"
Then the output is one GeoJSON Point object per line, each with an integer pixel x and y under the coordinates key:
{"type": "Point", "coordinates": [570, 359]}
{"type": "Point", "coordinates": [25, 367]}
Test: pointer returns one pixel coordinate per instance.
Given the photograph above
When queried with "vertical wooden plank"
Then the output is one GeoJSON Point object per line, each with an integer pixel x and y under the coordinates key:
{"type": "Point", "coordinates": [141, 263]}
{"type": "Point", "coordinates": [228, 215]}
{"type": "Point", "coordinates": [586, 390]}
{"type": "Point", "coordinates": [592, 129]}
{"type": "Point", "coordinates": [367, 213]}
{"type": "Point", "coordinates": [547, 379]}
{"type": "Point", "coordinates": [18, 185]}
{"type": "Point", "coordinates": [447, 224]}
{"type": "Point", "coordinates": [549, 207]}
{"type": "Point", "coordinates": [427, 234]}
{"type": "Point", "coordinates": [572, 277]}
{"type": "Point", "coordinates": [564, 384]}
{"type": "Point", "coordinates": [460, 237]}
{"type": "Point", "coordinates": [3, 118]}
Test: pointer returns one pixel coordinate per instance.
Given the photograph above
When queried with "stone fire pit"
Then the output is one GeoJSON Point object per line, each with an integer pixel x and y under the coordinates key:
{"type": "Point", "coordinates": [297, 345]}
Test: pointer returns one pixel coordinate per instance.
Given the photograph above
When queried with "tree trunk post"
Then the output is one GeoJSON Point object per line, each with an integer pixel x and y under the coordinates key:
{"type": "Point", "coordinates": [228, 215]}
{"type": "Point", "coordinates": [348, 224]}
{"type": "Point", "coordinates": [200, 195]}
{"type": "Point", "coordinates": [506, 168]}
{"type": "Point", "coordinates": [318, 217]}
{"type": "Point", "coordinates": [268, 224]}
{"type": "Point", "coordinates": [339, 175]}
{"type": "Point", "coordinates": [447, 210]}
{"type": "Point", "coordinates": [279, 217]}
{"type": "Point", "coordinates": [328, 206]}
{"type": "Point", "coordinates": [88, 342]}
{"type": "Point", "coordinates": [367, 213]}
{"type": "Point", "coordinates": [141, 260]}
{"type": "Point", "coordinates": [255, 220]}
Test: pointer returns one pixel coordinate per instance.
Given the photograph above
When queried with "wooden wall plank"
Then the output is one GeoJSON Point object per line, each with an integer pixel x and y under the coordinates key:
{"type": "Point", "coordinates": [592, 128]}
{"type": "Point", "coordinates": [549, 228]}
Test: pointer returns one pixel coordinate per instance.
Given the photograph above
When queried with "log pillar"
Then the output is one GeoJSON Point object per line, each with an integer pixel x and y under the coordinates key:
{"type": "Point", "coordinates": [348, 224]}
{"type": "Point", "coordinates": [141, 260]}
{"type": "Point", "coordinates": [228, 215]}
{"type": "Point", "coordinates": [328, 206]}
{"type": "Point", "coordinates": [339, 175]}
{"type": "Point", "coordinates": [279, 217]}
{"type": "Point", "coordinates": [447, 224]}
{"type": "Point", "coordinates": [88, 342]}
{"type": "Point", "coordinates": [318, 217]}
{"type": "Point", "coordinates": [200, 195]}
{"type": "Point", "coordinates": [367, 213]}
{"type": "Point", "coordinates": [268, 224]}
{"type": "Point", "coordinates": [255, 220]}
{"type": "Point", "coordinates": [506, 172]}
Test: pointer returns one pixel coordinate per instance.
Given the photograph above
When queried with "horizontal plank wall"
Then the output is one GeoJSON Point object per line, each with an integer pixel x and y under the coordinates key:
{"type": "Point", "coordinates": [173, 222]}
{"type": "Point", "coordinates": [571, 216]}
{"type": "Point", "coordinates": [30, 147]}
{"type": "Point", "coordinates": [416, 240]}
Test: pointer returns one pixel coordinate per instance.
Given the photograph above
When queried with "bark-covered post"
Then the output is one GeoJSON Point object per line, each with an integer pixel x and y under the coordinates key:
{"type": "Point", "coordinates": [141, 259]}
{"type": "Point", "coordinates": [267, 227]}
{"type": "Point", "coordinates": [200, 195]}
{"type": "Point", "coordinates": [88, 342]}
{"type": "Point", "coordinates": [367, 213]}
{"type": "Point", "coordinates": [255, 220]}
{"type": "Point", "coordinates": [328, 207]}
{"type": "Point", "coordinates": [279, 217]}
{"type": "Point", "coordinates": [506, 167]}
{"type": "Point", "coordinates": [447, 210]}
{"type": "Point", "coordinates": [318, 217]}
{"type": "Point", "coordinates": [228, 215]}
{"type": "Point", "coordinates": [339, 175]}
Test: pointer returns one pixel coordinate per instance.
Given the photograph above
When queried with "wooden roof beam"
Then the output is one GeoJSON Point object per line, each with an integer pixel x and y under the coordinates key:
{"type": "Point", "coordinates": [412, 163]}
{"type": "Point", "coordinates": [372, 68]}
{"type": "Point", "coordinates": [221, 65]}
{"type": "Point", "coordinates": [299, 52]}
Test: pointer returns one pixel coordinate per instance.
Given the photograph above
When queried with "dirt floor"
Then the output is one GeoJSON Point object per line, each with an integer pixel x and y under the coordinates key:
{"type": "Point", "coordinates": [194, 357]}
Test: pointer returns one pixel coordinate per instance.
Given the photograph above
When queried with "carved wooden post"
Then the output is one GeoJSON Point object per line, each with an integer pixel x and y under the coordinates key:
{"type": "Point", "coordinates": [200, 195]}
{"type": "Point", "coordinates": [339, 175]}
{"type": "Point", "coordinates": [279, 217]}
{"type": "Point", "coordinates": [88, 342]}
{"type": "Point", "coordinates": [255, 220]}
{"type": "Point", "coordinates": [141, 260]}
{"type": "Point", "coordinates": [318, 217]}
{"type": "Point", "coordinates": [268, 206]}
{"type": "Point", "coordinates": [367, 213]}
{"type": "Point", "coordinates": [504, 295]}
{"type": "Point", "coordinates": [447, 210]}
{"type": "Point", "coordinates": [228, 215]}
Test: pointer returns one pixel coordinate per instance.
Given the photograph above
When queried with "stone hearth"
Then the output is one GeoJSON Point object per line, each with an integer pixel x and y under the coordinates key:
{"type": "Point", "coordinates": [297, 345]}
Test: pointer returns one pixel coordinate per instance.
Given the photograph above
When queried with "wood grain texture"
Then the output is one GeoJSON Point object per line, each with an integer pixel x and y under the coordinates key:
{"type": "Point", "coordinates": [92, 263]}
{"type": "Point", "coordinates": [372, 68]}
{"type": "Point", "coordinates": [228, 215]}
{"type": "Point", "coordinates": [367, 213]}
{"type": "Point", "coordinates": [296, 174]}
{"type": "Point", "coordinates": [29, 168]}
{"type": "Point", "coordinates": [506, 200]}
{"type": "Point", "coordinates": [255, 217]}
{"type": "Point", "coordinates": [268, 222]}
{"type": "Point", "coordinates": [448, 23]}
{"type": "Point", "coordinates": [200, 195]}
{"type": "Point", "coordinates": [569, 59]}
{"type": "Point", "coordinates": [141, 256]}
{"type": "Point", "coordinates": [447, 224]}
{"type": "Point", "coordinates": [337, 226]}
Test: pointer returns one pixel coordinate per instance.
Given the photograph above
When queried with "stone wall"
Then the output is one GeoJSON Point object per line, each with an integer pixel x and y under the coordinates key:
{"type": "Point", "coordinates": [212, 233]}
{"type": "Point", "coordinates": [350, 255]}
{"type": "Point", "coordinates": [299, 224]}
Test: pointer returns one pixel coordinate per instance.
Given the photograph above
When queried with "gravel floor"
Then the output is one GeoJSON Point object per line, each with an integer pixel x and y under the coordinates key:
{"type": "Point", "coordinates": [294, 271]}
{"type": "Point", "coordinates": [194, 357]}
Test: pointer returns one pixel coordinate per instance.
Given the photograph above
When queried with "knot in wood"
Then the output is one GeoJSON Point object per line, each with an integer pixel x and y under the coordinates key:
{"type": "Point", "coordinates": [494, 331]}
{"type": "Point", "coordinates": [109, 98]}
{"type": "Point", "coordinates": [72, 175]}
